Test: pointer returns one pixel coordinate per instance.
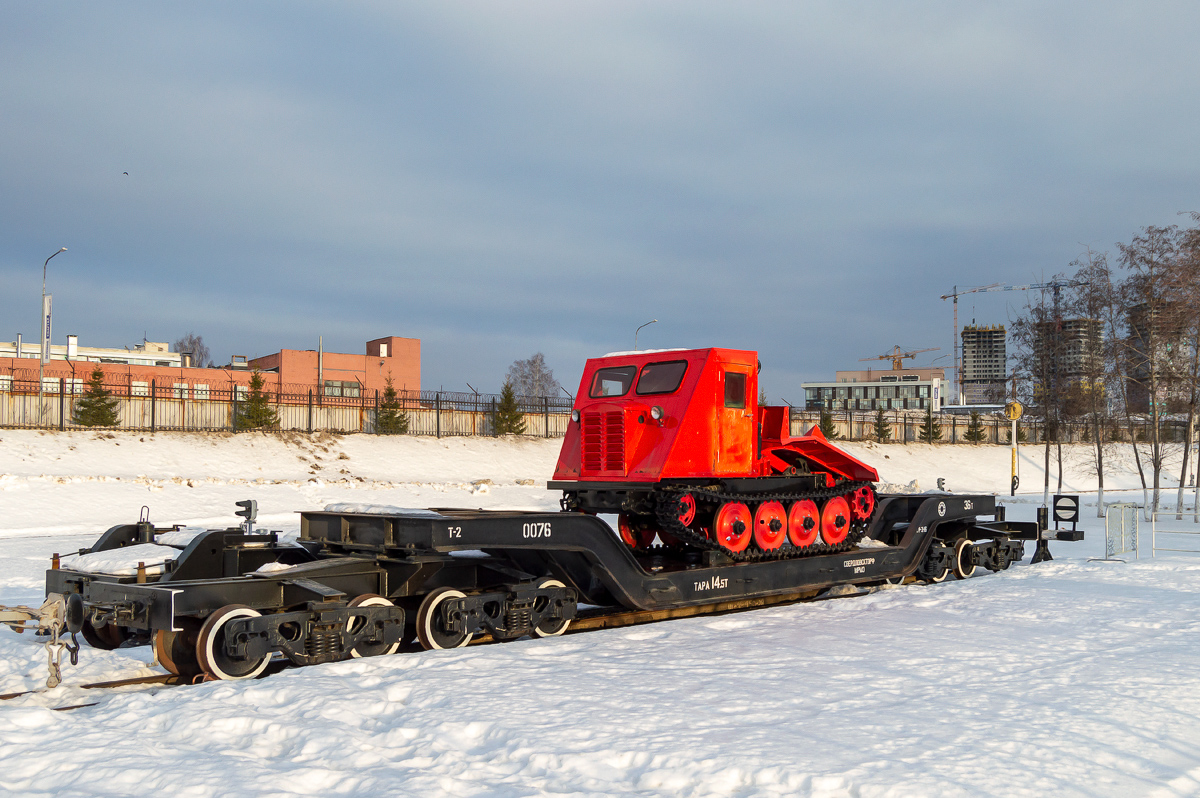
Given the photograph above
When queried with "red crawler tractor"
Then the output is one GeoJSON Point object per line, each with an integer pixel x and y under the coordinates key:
{"type": "Point", "coordinates": [677, 444]}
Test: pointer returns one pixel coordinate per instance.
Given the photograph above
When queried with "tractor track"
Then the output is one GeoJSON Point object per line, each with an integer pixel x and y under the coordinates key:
{"type": "Point", "coordinates": [667, 514]}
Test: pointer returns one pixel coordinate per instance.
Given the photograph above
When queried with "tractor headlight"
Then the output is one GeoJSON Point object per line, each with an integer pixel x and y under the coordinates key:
{"type": "Point", "coordinates": [574, 415]}
{"type": "Point", "coordinates": [656, 413]}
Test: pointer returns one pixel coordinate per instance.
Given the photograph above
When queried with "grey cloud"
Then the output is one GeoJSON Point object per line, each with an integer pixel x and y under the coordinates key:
{"type": "Point", "coordinates": [804, 179]}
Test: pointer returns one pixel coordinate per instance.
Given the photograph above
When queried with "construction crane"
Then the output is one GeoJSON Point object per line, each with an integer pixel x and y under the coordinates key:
{"type": "Point", "coordinates": [1056, 285]}
{"type": "Point", "coordinates": [897, 356]}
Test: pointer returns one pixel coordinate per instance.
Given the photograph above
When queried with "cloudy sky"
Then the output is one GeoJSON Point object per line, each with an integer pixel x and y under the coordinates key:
{"type": "Point", "coordinates": [497, 179]}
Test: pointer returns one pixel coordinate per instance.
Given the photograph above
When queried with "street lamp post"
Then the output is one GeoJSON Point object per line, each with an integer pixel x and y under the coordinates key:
{"type": "Point", "coordinates": [635, 331]}
{"type": "Point", "coordinates": [45, 324]}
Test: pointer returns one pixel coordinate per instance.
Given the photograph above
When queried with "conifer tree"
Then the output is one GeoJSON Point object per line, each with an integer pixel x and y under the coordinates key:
{"type": "Point", "coordinates": [930, 430]}
{"type": "Point", "coordinates": [391, 419]}
{"type": "Point", "coordinates": [508, 419]}
{"type": "Point", "coordinates": [97, 407]}
{"type": "Point", "coordinates": [975, 432]}
{"type": "Point", "coordinates": [1022, 436]}
{"type": "Point", "coordinates": [826, 425]}
{"type": "Point", "coordinates": [883, 430]}
{"type": "Point", "coordinates": [256, 411]}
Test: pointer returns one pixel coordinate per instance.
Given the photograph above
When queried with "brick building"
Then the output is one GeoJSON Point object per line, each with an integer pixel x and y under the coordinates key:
{"type": "Point", "coordinates": [133, 372]}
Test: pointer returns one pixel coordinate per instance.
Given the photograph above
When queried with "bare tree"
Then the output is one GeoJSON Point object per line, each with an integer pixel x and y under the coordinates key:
{"type": "Point", "coordinates": [1093, 302]}
{"type": "Point", "coordinates": [1040, 357]}
{"type": "Point", "coordinates": [1153, 320]}
{"type": "Point", "coordinates": [532, 377]}
{"type": "Point", "coordinates": [1185, 283]}
{"type": "Point", "coordinates": [195, 344]}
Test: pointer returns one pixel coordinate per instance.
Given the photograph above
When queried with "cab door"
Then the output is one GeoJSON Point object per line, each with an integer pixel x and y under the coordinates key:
{"type": "Point", "coordinates": [735, 420]}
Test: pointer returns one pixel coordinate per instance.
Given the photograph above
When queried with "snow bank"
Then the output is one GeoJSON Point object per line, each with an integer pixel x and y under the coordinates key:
{"type": "Point", "coordinates": [123, 561]}
{"type": "Point", "coordinates": [379, 509]}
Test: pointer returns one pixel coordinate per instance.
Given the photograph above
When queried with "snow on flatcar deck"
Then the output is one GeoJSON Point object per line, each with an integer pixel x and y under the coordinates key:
{"type": "Point", "coordinates": [1068, 678]}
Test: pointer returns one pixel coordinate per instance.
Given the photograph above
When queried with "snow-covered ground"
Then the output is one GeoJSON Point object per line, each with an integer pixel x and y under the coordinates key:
{"type": "Point", "coordinates": [1066, 678]}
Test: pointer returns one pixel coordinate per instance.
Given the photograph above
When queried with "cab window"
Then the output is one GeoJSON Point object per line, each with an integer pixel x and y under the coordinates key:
{"type": "Point", "coordinates": [661, 377]}
{"type": "Point", "coordinates": [612, 381]}
{"type": "Point", "coordinates": [735, 389]}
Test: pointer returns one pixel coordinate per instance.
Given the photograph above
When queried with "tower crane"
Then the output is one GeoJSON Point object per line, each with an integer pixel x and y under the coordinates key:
{"type": "Point", "coordinates": [1057, 284]}
{"type": "Point", "coordinates": [897, 356]}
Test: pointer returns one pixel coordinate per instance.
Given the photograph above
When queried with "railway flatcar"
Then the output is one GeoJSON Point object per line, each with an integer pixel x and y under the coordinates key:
{"type": "Point", "coordinates": [717, 507]}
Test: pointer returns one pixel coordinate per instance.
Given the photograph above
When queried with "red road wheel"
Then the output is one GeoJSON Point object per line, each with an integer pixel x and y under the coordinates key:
{"type": "Point", "coordinates": [733, 526]}
{"type": "Point", "coordinates": [803, 523]}
{"type": "Point", "coordinates": [626, 530]}
{"type": "Point", "coordinates": [770, 526]}
{"type": "Point", "coordinates": [687, 509]}
{"type": "Point", "coordinates": [636, 535]}
{"type": "Point", "coordinates": [835, 520]}
{"type": "Point", "coordinates": [862, 503]}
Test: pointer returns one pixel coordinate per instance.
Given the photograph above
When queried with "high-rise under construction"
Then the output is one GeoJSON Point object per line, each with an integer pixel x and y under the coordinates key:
{"type": "Point", "coordinates": [984, 364]}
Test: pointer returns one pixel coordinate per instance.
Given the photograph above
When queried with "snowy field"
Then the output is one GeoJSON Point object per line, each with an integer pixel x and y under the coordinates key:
{"type": "Point", "coordinates": [1066, 678]}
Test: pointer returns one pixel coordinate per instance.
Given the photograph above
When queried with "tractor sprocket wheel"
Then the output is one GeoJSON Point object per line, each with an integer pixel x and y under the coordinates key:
{"type": "Point", "coordinates": [687, 509]}
{"type": "Point", "coordinates": [770, 526]}
{"type": "Point", "coordinates": [733, 526]}
{"type": "Point", "coordinates": [835, 520]}
{"type": "Point", "coordinates": [804, 523]}
{"type": "Point", "coordinates": [862, 503]}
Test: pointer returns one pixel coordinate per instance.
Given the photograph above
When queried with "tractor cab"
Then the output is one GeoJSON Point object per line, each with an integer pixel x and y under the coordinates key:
{"type": "Point", "coordinates": [642, 417]}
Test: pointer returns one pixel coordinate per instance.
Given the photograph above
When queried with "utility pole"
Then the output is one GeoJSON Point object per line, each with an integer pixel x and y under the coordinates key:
{"type": "Point", "coordinates": [639, 329]}
{"type": "Point", "coordinates": [45, 324]}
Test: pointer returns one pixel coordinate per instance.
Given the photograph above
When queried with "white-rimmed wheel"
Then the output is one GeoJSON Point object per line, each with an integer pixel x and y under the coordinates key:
{"type": "Point", "coordinates": [366, 649]}
{"type": "Point", "coordinates": [551, 627]}
{"type": "Point", "coordinates": [964, 566]}
{"type": "Point", "coordinates": [210, 646]}
{"type": "Point", "coordinates": [942, 575]}
{"type": "Point", "coordinates": [431, 623]}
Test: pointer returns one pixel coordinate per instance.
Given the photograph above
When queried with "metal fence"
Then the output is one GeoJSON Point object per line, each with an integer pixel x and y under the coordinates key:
{"type": "Point", "coordinates": [153, 406]}
{"type": "Point", "coordinates": [905, 427]}
{"type": "Point", "coordinates": [147, 406]}
{"type": "Point", "coordinates": [1175, 537]}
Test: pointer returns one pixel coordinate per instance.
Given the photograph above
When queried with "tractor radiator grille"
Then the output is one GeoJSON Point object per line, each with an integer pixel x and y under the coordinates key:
{"type": "Point", "coordinates": [604, 442]}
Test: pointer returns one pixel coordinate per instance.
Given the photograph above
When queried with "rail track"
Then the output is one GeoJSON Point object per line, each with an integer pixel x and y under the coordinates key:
{"type": "Point", "coordinates": [588, 620]}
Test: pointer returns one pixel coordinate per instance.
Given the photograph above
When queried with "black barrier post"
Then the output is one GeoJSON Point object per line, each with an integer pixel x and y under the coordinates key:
{"type": "Point", "coordinates": [310, 411]}
{"type": "Point", "coordinates": [437, 409]}
{"type": "Point", "coordinates": [1042, 552]}
{"type": "Point", "coordinates": [546, 415]}
{"type": "Point", "coordinates": [62, 404]}
{"type": "Point", "coordinates": [376, 411]}
{"type": "Point", "coordinates": [493, 416]}
{"type": "Point", "coordinates": [153, 407]}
